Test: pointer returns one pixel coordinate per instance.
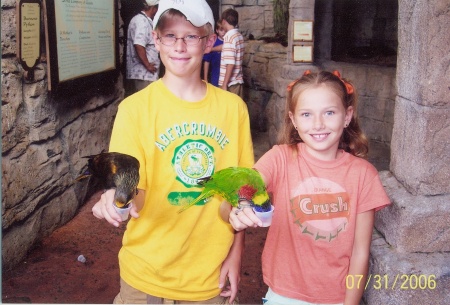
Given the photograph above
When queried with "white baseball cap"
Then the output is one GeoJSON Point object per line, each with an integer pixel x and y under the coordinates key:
{"type": "Point", "coordinates": [196, 12]}
{"type": "Point", "coordinates": [152, 2]}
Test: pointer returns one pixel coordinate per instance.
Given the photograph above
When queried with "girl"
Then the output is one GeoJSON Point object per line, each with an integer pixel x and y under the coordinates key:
{"type": "Point", "coordinates": [325, 194]}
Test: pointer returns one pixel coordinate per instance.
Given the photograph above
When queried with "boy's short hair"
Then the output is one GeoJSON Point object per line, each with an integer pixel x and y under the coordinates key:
{"type": "Point", "coordinates": [231, 16]}
{"type": "Point", "coordinates": [196, 12]}
{"type": "Point", "coordinates": [218, 25]}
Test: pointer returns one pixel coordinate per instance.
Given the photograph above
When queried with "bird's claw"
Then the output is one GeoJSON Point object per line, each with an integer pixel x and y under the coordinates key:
{"type": "Point", "coordinates": [242, 206]}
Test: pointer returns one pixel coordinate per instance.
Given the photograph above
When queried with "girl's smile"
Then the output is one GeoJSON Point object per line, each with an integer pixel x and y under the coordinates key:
{"type": "Point", "coordinates": [319, 137]}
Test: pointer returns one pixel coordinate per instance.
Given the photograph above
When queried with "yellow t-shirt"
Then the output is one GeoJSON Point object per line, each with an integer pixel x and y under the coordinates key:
{"type": "Point", "coordinates": [164, 253]}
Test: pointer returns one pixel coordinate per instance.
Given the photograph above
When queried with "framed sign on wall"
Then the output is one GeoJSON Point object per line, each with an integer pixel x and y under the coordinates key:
{"type": "Point", "coordinates": [302, 53]}
{"type": "Point", "coordinates": [303, 30]}
{"type": "Point", "coordinates": [29, 34]}
{"type": "Point", "coordinates": [82, 43]}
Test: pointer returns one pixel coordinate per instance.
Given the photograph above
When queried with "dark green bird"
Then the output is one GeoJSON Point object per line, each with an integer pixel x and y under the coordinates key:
{"type": "Point", "coordinates": [115, 170]}
{"type": "Point", "coordinates": [235, 184]}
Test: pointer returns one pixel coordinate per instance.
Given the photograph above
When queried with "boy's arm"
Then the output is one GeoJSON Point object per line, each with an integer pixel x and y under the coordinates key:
{"type": "Point", "coordinates": [231, 268]}
{"type": "Point", "coordinates": [359, 262]}
{"type": "Point", "coordinates": [104, 209]}
{"type": "Point", "coordinates": [226, 80]}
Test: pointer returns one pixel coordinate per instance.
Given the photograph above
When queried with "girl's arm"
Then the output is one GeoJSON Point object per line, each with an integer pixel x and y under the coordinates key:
{"type": "Point", "coordinates": [359, 262]}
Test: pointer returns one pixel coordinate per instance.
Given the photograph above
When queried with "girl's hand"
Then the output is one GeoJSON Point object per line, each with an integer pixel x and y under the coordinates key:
{"type": "Point", "coordinates": [243, 218]}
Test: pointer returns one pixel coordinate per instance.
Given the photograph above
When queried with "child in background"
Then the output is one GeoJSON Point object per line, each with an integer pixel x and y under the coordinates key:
{"type": "Point", "coordinates": [180, 129]}
{"type": "Point", "coordinates": [325, 195]}
{"type": "Point", "coordinates": [212, 59]}
{"type": "Point", "coordinates": [231, 76]}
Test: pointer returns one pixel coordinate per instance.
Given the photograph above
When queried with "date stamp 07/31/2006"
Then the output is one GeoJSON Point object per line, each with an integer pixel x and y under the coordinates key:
{"type": "Point", "coordinates": [389, 282]}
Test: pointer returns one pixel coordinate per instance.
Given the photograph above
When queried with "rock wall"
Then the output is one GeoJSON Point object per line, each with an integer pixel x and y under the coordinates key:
{"type": "Point", "coordinates": [267, 73]}
{"type": "Point", "coordinates": [255, 16]}
{"type": "Point", "coordinates": [43, 142]}
{"type": "Point", "coordinates": [416, 226]}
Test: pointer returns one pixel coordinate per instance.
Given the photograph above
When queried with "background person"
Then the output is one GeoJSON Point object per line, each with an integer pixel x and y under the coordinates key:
{"type": "Point", "coordinates": [231, 76]}
{"type": "Point", "coordinates": [142, 57]}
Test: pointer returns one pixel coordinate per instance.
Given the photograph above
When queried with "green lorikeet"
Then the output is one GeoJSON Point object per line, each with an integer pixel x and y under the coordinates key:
{"type": "Point", "coordinates": [235, 184]}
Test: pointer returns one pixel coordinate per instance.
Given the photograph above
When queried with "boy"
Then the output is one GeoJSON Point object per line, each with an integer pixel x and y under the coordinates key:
{"type": "Point", "coordinates": [180, 128]}
{"type": "Point", "coordinates": [231, 77]}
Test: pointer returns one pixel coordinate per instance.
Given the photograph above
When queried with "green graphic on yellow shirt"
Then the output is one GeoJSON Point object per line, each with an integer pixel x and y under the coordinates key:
{"type": "Point", "coordinates": [192, 160]}
{"type": "Point", "coordinates": [183, 198]}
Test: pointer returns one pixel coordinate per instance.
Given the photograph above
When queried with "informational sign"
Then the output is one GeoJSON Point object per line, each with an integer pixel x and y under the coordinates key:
{"type": "Point", "coordinates": [82, 43]}
{"type": "Point", "coordinates": [303, 53]}
{"type": "Point", "coordinates": [303, 30]}
{"type": "Point", "coordinates": [29, 33]}
{"type": "Point", "coordinates": [85, 37]}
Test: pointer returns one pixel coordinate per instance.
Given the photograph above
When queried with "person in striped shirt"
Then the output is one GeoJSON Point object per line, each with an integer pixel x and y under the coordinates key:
{"type": "Point", "coordinates": [231, 76]}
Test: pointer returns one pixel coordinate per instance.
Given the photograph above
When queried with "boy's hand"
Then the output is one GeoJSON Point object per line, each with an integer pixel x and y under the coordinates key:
{"type": "Point", "coordinates": [104, 209]}
{"type": "Point", "coordinates": [230, 272]}
{"type": "Point", "coordinates": [241, 219]}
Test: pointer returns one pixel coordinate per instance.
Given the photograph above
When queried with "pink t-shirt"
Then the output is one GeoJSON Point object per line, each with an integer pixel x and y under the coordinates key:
{"type": "Point", "coordinates": [310, 241]}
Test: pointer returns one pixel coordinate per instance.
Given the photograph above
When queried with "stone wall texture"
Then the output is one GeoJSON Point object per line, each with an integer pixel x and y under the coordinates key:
{"type": "Point", "coordinates": [416, 226]}
{"type": "Point", "coordinates": [43, 142]}
{"type": "Point", "coordinates": [422, 114]}
{"type": "Point", "coordinates": [268, 71]}
{"type": "Point", "coordinates": [255, 16]}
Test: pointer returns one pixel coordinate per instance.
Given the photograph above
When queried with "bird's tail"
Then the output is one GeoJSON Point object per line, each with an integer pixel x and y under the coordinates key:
{"type": "Point", "coordinates": [94, 155]}
{"type": "Point", "coordinates": [83, 176]}
{"type": "Point", "coordinates": [201, 197]}
{"type": "Point", "coordinates": [187, 206]}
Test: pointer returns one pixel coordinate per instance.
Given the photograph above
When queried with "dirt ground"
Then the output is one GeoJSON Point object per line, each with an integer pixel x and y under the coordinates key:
{"type": "Point", "coordinates": [51, 273]}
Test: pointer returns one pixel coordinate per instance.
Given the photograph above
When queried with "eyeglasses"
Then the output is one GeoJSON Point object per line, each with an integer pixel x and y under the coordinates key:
{"type": "Point", "coordinates": [190, 40]}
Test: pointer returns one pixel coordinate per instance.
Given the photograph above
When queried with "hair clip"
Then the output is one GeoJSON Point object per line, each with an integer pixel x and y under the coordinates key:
{"type": "Point", "coordinates": [291, 84]}
{"type": "Point", "coordinates": [349, 87]}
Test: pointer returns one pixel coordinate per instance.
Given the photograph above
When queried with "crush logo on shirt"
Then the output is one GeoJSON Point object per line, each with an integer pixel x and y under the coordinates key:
{"type": "Point", "coordinates": [320, 208]}
{"type": "Point", "coordinates": [193, 160]}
